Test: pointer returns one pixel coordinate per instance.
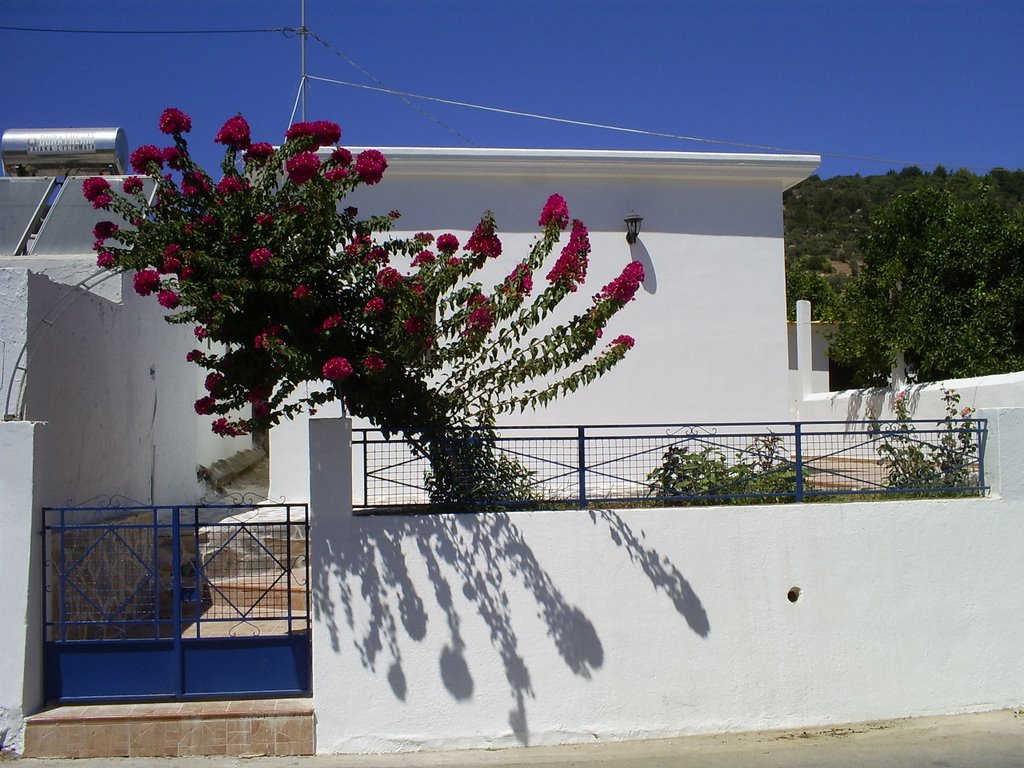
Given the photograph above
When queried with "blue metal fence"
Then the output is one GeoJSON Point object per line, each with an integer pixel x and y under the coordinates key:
{"type": "Point", "coordinates": [688, 464]}
{"type": "Point", "coordinates": [180, 602]}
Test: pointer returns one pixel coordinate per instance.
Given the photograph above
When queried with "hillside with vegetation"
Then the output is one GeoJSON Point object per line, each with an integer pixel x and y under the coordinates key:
{"type": "Point", "coordinates": [923, 267]}
{"type": "Point", "coordinates": [826, 221]}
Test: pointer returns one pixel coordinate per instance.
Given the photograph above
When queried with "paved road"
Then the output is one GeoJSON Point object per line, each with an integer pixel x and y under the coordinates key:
{"type": "Point", "coordinates": [988, 740]}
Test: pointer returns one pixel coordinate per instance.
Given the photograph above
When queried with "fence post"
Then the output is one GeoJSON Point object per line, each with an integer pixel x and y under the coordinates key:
{"type": "Point", "coordinates": [175, 588]}
{"type": "Point", "coordinates": [581, 458]}
{"type": "Point", "coordinates": [798, 439]}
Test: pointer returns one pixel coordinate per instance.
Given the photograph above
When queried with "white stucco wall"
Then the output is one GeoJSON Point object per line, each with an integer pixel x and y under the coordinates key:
{"type": "Point", "coordinates": [20, 631]}
{"type": "Point", "coordinates": [572, 626]}
{"type": "Point", "coordinates": [111, 382]}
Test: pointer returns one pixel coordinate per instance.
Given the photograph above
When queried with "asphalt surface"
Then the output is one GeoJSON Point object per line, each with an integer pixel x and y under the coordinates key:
{"type": "Point", "coordinates": [985, 740]}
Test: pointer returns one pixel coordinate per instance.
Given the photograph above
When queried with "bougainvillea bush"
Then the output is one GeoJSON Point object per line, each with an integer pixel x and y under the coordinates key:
{"type": "Point", "coordinates": [283, 284]}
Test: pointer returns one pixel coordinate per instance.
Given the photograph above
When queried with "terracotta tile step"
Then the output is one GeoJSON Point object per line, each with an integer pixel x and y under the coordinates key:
{"type": "Point", "coordinates": [246, 727]}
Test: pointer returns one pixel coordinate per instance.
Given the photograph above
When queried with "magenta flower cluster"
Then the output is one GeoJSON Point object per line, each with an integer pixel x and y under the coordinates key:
{"type": "Point", "coordinates": [555, 211]}
{"type": "Point", "coordinates": [235, 133]}
{"type": "Point", "coordinates": [324, 133]}
{"type": "Point", "coordinates": [370, 166]}
{"type": "Point", "coordinates": [302, 167]}
{"type": "Point", "coordinates": [571, 267]}
{"type": "Point", "coordinates": [337, 369]}
{"type": "Point", "coordinates": [174, 121]}
{"type": "Point", "coordinates": [484, 241]}
{"type": "Point", "coordinates": [624, 287]}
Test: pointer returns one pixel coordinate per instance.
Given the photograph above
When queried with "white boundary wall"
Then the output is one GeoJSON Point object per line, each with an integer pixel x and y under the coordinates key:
{"type": "Point", "coordinates": [551, 627]}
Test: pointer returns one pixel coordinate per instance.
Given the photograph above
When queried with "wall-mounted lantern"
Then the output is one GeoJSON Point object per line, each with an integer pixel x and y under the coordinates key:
{"type": "Point", "coordinates": [633, 227]}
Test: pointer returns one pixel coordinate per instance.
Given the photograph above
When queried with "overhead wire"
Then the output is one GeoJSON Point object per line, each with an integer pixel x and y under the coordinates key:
{"type": "Point", "coordinates": [67, 31]}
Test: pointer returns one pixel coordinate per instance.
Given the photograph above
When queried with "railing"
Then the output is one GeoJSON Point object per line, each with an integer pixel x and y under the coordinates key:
{"type": "Point", "coordinates": [199, 599]}
{"type": "Point", "coordinates": [689, 464]}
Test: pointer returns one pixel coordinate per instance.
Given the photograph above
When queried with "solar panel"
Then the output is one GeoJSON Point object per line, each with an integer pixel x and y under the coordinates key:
{"type": "Point", "coordinates": [67, 229]}
{"type": "Point", "coordinates": [22, 203]}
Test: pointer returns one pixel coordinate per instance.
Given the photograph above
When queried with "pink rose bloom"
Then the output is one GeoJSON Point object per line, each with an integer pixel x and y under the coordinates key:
{"type": "Point", "coordinates": [260, 257]}
{"type": "Point", "coordinates": [145, 157]}
{"type": "Point", "coordinates": [146, 281]}
{"type": "Point", "coordinates": [234, 133]}
{"type": "Point", "coordinates": [302, 167]}
{"type": "Point", "coordinates": [168, 299]}
{"type": "Point", "coordinates": [131, 185]}
{"type": "Point", "coordinates": [175, 121]}
{"type": "Point", "coordinates": [370, 166]}
{"type": "Point", "coordinates": [447, 243]}
{"type": "Point", "coordinates": [337, 369]}
{"type": "Point", "coordinates": [555, 212]}
{"type": "Point", "coordinates": [105, 259]}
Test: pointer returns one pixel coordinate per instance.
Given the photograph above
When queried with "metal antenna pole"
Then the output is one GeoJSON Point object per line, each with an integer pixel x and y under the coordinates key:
{"type": "Point", "coordinates": [303, 82]}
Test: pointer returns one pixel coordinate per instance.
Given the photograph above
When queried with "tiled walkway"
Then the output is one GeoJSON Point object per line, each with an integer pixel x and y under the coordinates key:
{"type": "Point", "coordinates": [249, 727]}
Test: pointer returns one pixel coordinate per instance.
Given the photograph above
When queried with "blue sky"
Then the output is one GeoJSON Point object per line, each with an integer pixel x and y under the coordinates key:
{"type": "Point", "coordinates": [904, 80]}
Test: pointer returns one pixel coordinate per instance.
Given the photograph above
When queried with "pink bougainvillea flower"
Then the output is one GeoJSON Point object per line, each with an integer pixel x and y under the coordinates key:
{"type": "Point", "coordinates": [145, 157]}
{"type": "Point", "coordinates": [264, 218]}
{"type": "Point", "coordinates": [423, 257]}
{"type": "Point", "coordinates": [105, 259]}
{"type": "Point", "coordinates": [336, 174]}
{"type": "Point", "coordinates": [370, 166]}
{"type": "Point", "coordinates": [229, 185]}
{"type": "Point", "coordinates": [342, 156]}
{"type": "Point", "coordinates": [104, 229]}
{"type": "Point", "coordinates": [194, 356]}
{"type": "Point", "coordinates": [414, 326]}
{"type": "Point", "coordinates": [337, 369]}
{"type": "Point", "coordinates": [227, 428]}
{"type": "Point", "coordinates": [555, 211]}
{"type": "Point", "coordinates": [302, 167]}
{"type": "Point", "coordinates": [571, 267]}
{"type": "Point", "coordinates": [624, 287]}
{"type": "Point", "coordinates": [168, 299]}
{"type": "Point", "coordinates": [258, 153]}
{"type": "Point", "coordinates": [447, 243]}
{"type": "Point", "coordinates": [187, 273]}
{"type": "Point", "coordinates": [300, 292]}
{"type": "Point", "coordinates": [175, 121]}
{"type": "Point", "coordinates": [388, 277]}
{"type": "Point", "coordinates": [213, 381]}
{"type": "Point", "coordinates": [323, 132]}
{"type": "Point", "coordinates": [623, 341]}
{"type": "Point", "coordinates": [424, 238]}
{"type": "Point", "coordinates": [131, 185]}
{"type": "Point", "coordinates": [200, 332]}
{"type": "Point", "coordinates": [171, 264]}
{"type": "Point", "coordinates": [235, 133]}
{"type": "Point", "coordinates": [146, 281]}
{"type": "Point", "coordinates": [331, 321]}
{"type": "Point", "coordinates": [520, 282]}
{"type": "Point", "coordinates": [260, 257]}
{"type": "Point", "coordinates": [205, 405]}
{"type": "Point", "coordinates": [483, 241]}
{"type": "Point", "coordinates": [174, 158]}
{"type": "Point", "coordinates": [480, 320]}
{"type": "Point", "coordinates": [102, 201]}
{"type": "Point", "coordinates": [94, 187]}
{"type": "Point", "coordinates": [373, 363]}
{"type": "Point", "coordinates": [374, 305]}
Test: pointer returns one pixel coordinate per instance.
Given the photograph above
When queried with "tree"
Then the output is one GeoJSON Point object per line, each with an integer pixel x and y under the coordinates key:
{"type": "Point", "coordinates": [284, 286]}
{"type": "Point", "coordinates": [942, 282]}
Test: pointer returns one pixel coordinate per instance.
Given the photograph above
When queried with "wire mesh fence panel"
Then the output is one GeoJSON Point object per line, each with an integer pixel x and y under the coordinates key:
{"type": "Point", "coordinates": [699, 463]}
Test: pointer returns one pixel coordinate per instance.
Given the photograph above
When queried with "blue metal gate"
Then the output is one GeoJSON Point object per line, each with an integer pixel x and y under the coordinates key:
{"type": "Point", "coordinates": [182, 602]}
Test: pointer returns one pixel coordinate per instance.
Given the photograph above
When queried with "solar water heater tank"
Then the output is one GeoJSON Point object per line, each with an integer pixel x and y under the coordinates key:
{"type": "Point", "coordinates": [64, 151]}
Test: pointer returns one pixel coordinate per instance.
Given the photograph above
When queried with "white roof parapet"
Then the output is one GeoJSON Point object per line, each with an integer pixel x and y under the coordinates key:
{"type": "Point", "coordinates": [591, 163]}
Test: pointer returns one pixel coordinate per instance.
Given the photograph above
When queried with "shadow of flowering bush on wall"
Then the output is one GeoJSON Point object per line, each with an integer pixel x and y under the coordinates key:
{"type": "Point", "coordinates": [481, 556]}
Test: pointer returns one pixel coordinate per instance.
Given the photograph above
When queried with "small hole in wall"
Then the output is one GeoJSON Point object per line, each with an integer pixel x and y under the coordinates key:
{"type": "Point", "coordinates": [793, 595]}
